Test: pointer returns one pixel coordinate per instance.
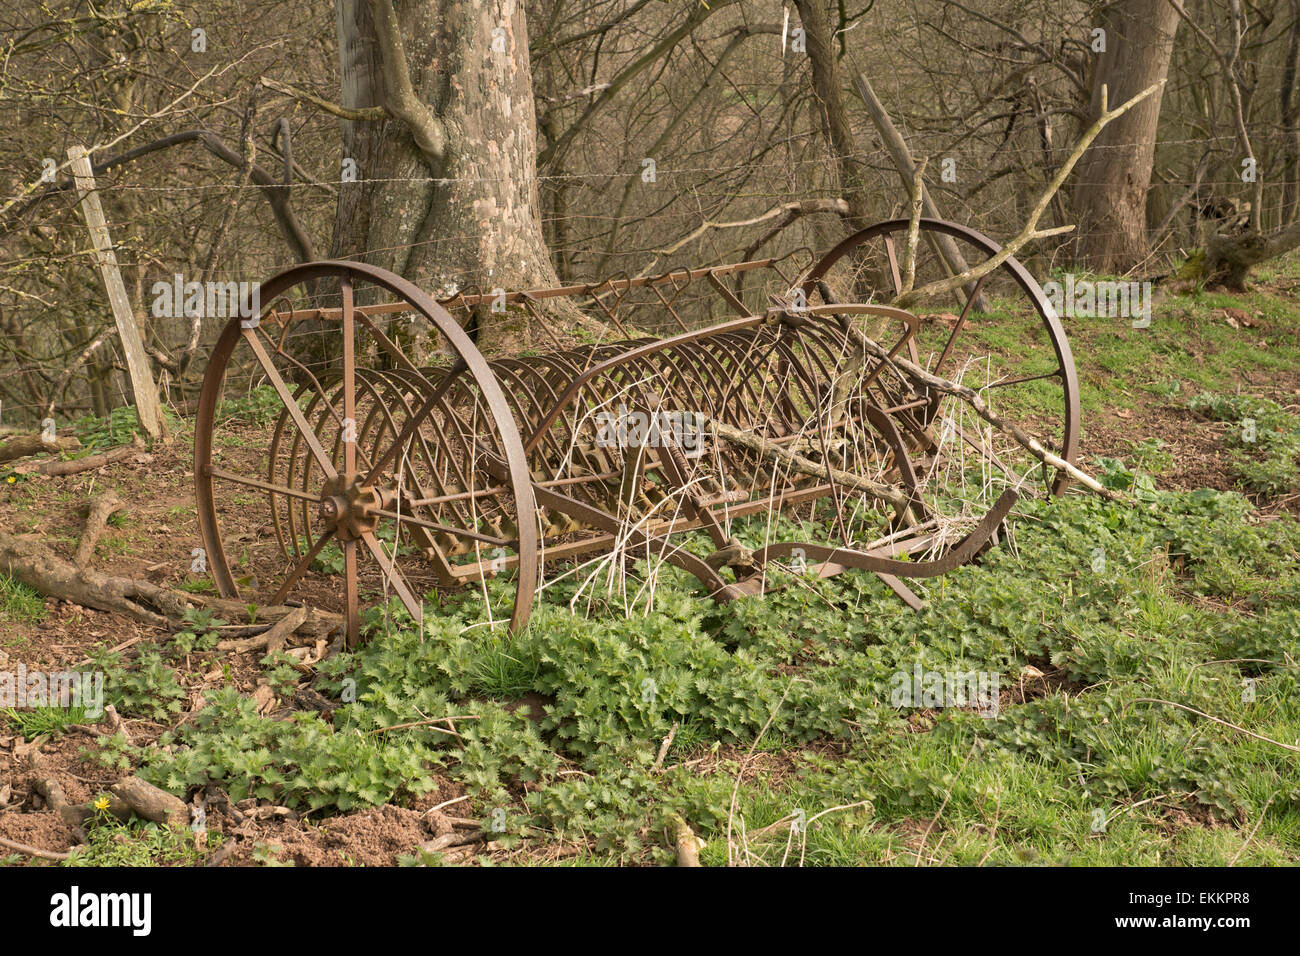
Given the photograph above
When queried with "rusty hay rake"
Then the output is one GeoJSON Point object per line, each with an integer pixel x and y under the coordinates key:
{"type": "Point", "coordinates": [391, 475]}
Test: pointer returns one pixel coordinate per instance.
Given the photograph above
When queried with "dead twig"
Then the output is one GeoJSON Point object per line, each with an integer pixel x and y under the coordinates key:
{"type": "Point", "coordinates": [33, 851]}
{"type": "Point", "coordinates": [1253, 830]}
{"type": "Point", "coordinates": [740, 772]}
{"type": "Point", "coordinates": [663, 747]}
{"type": "Point", "coordinates": [1217, 720]}
{"type": "Point", "coordinates": [973, 399]}
{"type": "Point", "coordinates": [947, 795]}
{"type": "Point", "coordinates": [441, 843]}
{"type": "Point", "coordinates": [273, 638]}
{"type": "Point", "coordinates": [894, 496]}
{"type": "Point", "coordinates": [431, 722]}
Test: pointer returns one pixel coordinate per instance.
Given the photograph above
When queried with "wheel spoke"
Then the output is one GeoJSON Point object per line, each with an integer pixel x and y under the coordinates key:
{"type": "Point", "coordinates": [262, 485]}
{"type": "Point", "coordinates": [961, 321]}
{"type": "Point", "coordinates": [394, 575]}
{"type": "Point", "coordinates": [351, 608]}
{"type": "Point", "coordinates": [286, 397]}
{"type": "Point", "coordinates": [1054, 373]}
{"type": "Point", "coordinates": [449, 529]}
{"type": "Point", "coordinates": [349, 382]}
{"type": "Point", "coordinates": [301, 567]}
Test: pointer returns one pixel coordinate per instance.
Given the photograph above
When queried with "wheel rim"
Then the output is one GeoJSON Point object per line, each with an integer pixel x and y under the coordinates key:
{"type": "Point", "coordinates": [866, 266]}
{"type": "Point", "coordinates": [361, 458]}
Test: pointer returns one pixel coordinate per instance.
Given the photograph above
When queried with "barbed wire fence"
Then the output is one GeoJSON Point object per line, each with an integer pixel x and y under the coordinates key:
{"type": "Point", "coordinates": [51, 303]}
{"type": "Point", "coordinates": [591, 225]}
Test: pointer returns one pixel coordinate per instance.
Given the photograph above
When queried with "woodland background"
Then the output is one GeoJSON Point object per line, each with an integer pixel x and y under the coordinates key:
{"type": "Point", "coordinates": [740, 114]}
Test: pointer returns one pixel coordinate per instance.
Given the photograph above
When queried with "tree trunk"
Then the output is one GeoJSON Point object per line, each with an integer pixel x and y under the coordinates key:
{"type": "Point", "coordinates": [460, 214]}
{"type": "Point", "coordinates": [1114, 175]}
{"type": "Point", "coordinates": [834, 116]}
{"type": "Point", "coordinates": [1290, 124]}
{"type": "Point", "coordinates": [1229, 259]}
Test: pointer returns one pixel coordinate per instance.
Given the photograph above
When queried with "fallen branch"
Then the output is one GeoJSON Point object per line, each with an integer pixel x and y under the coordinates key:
{"type": "Point", "coordinates": [687, 843]}
{"type": "Point", "coordinates": [115, 724]}
{"type": "Point", "coordinates": [128, 796]}
{"type": "Point", "coordinates": [151, 803]}
{"type": "Point", "coordinates": [34, 564]}
{"type": "Point", "coordinates": [452, 839]}
{"type": "Point", "coordinates": [74, 814]}
{"type": "Point", "coordinates": [77, 465]}
{"type": "Point", "coordinates": [972, 398]}
{"type": "Point", "coordinates": [97, 515]}
{"type": "Point", "coordinates": [33, 851]}
{"type": "Point", "coordinates": [273, 638]}
{"type": "Point", "coordinates": [663, 747]}
{"type": "Point", "coordinates": [431, 723]}
{"type": "Point", "coordinates": [894, 496]}
{"type": "Point", "coordinates": [317, 623]}
{"type": "Point", "coordinates": [21, 446]}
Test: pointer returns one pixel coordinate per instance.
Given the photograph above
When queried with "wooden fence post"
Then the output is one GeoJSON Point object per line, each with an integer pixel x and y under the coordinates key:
{"type": "Point", "coordinates": [147, 407]}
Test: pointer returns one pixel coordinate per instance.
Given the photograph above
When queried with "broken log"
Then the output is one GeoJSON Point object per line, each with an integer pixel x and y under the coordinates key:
{"type": "Point", "coordinates": [76, 466]}
{"type": "Point", "coordinates": [272, 638]}
{"type": "Point", "coordinates": [686, 843]}
{"type": "Point", "coordinates": [75, 815]}
{"type": "Point", "coordinates": [33, 563]}
{"type": "Point", "coordinates": [97, 515]}
{"type": "Point", "coordinates": [21, 446]}
{"type": "Point", "coordinates": [150, 802]}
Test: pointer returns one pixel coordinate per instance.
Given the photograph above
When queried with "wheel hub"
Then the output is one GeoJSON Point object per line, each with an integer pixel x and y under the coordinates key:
{"type": "Point", "coordinates": [349, 507]}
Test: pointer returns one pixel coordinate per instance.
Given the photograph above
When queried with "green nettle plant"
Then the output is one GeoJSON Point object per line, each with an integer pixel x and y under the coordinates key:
{"type": "Point", "coordinates": [1265, 440]}
{"type": "Point", "coordinates": [146, 687]}
{"type": "Point", "coordinates": [199, 633]}
{"type": "Point", "coordinates": [561, 727]}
